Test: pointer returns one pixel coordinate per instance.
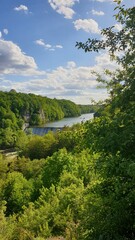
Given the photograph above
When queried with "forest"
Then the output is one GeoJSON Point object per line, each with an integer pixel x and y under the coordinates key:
{"type": "Point", "coordinates": [20, 110]}
{"type": "Point", "coordinates": [79, 183]}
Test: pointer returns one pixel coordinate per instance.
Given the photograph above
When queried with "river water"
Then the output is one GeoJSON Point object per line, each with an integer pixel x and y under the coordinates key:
{"type": "Point", "coordinates": [69, 121]}
{"type": "Point", "coordinates": [54, 126]}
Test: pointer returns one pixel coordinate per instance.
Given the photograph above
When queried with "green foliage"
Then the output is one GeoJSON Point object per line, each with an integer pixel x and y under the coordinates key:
{"type": "Point", "coordinates": [88, 108]}
{"type": "Point", "coordinates": [17, 192]}
{"type": "Point", "coordinates": [40, 147]}
{"type": "Point", "coordinates": [54, 167]}
{"type": "Point", "coordinates": [37, 147]}
{"type": "Point", "coordinates": [109, 205]}
{"type": "Point", "coordinates": [66, 138]}
{"type": "Point", "coordinates": [7, 225]}
{"type": "Point", "coordinates": [18, 109]}
{"type": "Point", "coordinates": [8, 137]}
{"type": "Point", "coordinates": [69, 108]}
{"type": "Point", "coordinates": [21, 140]}
{"type": "Point", "coordinates": [55, 211]}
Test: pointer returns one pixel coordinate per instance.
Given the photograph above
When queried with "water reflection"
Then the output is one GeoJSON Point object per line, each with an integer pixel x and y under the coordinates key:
{"type": "Point", "coordinates": [70, 121]}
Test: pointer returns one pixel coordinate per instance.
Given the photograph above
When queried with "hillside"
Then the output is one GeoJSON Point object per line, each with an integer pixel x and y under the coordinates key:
{"type": "Point", "coordinates": [18, 110]}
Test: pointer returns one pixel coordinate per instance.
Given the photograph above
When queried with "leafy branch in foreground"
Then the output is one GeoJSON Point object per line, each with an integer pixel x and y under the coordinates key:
{"type": "Point", "coordinates": [115, 40]}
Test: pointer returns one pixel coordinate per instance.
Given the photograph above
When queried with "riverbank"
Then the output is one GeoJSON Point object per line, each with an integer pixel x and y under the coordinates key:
{"type": "Point", "coordinates": [59, 125]}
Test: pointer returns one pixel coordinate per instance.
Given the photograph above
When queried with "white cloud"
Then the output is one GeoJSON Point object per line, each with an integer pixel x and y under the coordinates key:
{"type": "Point", "coordinates": [5, 30]}
{"type": "Point", "coordinates": [62, 82]}
{"type": "Point", "coordinates": [98, 13]}
{"type": "Point", "coordinates": [14, 61]}
{"type": "Point", "coordinates": [71, 64]}
{"type": "Point", "coordinates": [63, 7]}
{"type": "Point", "coordinates": [104, 1]}
{"type": "Point", "coordinates": [21, 8]}
{"type": "Point", "coordinates": [59, 46]}
{"type": "Point", "coordinates": [40, 42]}
{"type": "Point", "coordinates": [88, 25]}
{"type": "Point", "coordinates": [66, 11]}
{"type": "Point", "coordinates": [117, 27]}
{"type": "Point", "coordinates": [47, 46]}
{"type": "Point", "coordinates": [103, 62]}
{"type": "Point", "coordinates": [73, 82]}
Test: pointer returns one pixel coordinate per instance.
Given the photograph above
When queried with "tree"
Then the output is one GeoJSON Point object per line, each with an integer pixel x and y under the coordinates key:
{"type": "Point", "coordinates": [123, 40]}
{"type": "Point", "coordinates": [40, 147]}
{"type": "Point", "coordinates": [17, 192]}
{"type": "Point", "coordinates": [109, 206]}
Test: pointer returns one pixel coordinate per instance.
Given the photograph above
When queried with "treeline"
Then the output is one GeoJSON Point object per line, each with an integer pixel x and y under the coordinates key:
{"type": "Point", "coordinates": [18, 110]}
{"type": "Point", "coordinates": [79, 183]}
{"type": "Point", "coordinates": [36, 109]}
{"type": "Point", "coordinates": [93, 108]}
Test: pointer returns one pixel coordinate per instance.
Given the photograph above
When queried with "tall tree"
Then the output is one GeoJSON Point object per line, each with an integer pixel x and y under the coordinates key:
{"type": "Point", "coordinates": [109, 206]}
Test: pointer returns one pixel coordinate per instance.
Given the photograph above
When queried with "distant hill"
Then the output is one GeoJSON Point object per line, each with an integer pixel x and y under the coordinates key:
{"type": "Point", "coordinates": [18, 110]}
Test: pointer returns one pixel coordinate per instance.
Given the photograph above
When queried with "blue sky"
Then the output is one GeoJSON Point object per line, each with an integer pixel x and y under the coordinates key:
{"type": "Point", "coordinates": [37, 47]}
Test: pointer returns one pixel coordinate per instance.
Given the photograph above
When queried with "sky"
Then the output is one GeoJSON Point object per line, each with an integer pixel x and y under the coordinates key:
{"type": "Point", "coordinates": [37, 47]}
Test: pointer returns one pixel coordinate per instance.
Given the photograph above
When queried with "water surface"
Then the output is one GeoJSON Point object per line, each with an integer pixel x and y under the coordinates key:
{"type": "Point", "coordinates": [69, 121]}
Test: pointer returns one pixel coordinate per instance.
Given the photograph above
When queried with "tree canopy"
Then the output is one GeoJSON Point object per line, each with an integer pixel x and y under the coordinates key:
{"type": "Point", "coordinates": [18, 110]}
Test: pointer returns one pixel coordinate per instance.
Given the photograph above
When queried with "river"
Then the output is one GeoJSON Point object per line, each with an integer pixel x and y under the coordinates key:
{"type": "Point", "coordinates": [53, 126]}
{"type": "Point", "coordinates": [70, 121]}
